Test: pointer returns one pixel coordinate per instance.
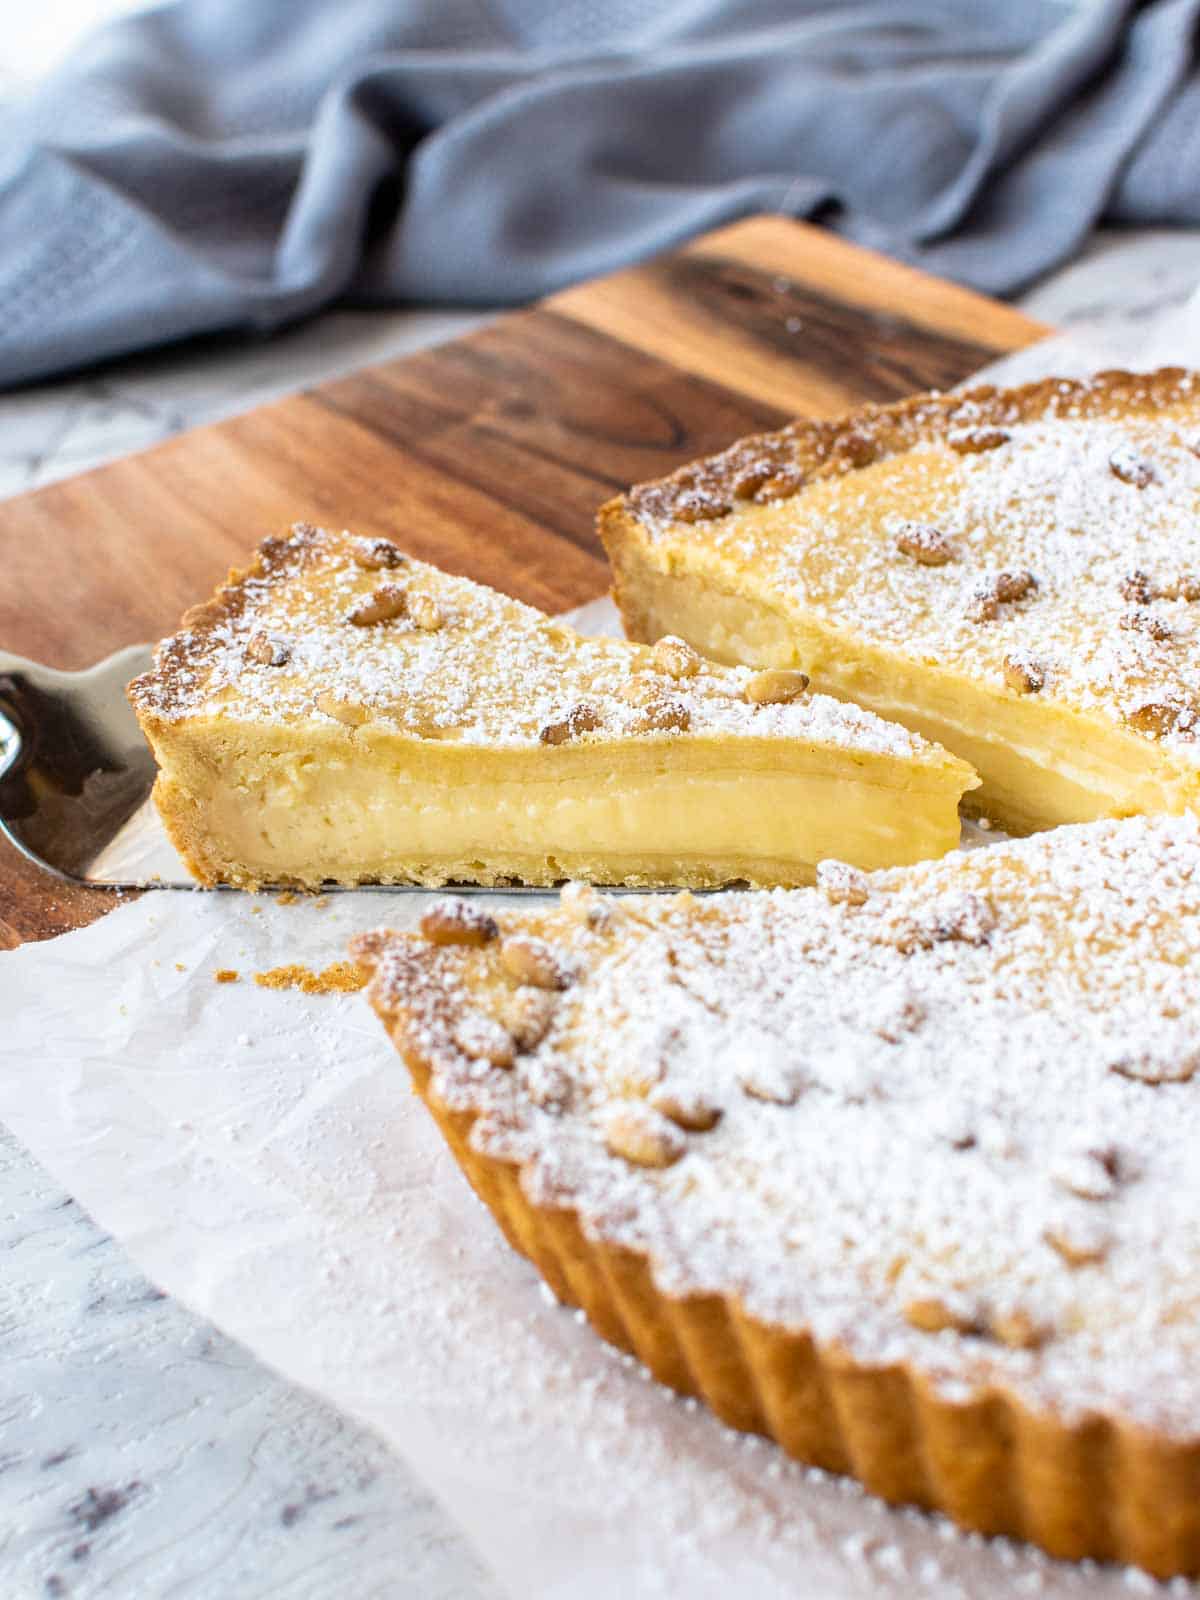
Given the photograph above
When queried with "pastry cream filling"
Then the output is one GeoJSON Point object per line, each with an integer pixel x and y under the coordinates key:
{"type": "Point", "coordinates": [1079, 768]}
{"type": "Point", "coordinates": [358, 806]}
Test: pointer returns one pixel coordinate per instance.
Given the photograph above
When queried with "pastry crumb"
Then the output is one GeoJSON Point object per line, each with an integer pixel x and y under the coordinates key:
{"type": "Point", "coordinates": [227, 974]}
{"type": "Point", "coordinates": [340, 977]}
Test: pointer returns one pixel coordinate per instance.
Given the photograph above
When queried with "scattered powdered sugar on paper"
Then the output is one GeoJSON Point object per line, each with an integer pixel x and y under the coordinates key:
{"type": "Point", "coordinates": [262, 1157]}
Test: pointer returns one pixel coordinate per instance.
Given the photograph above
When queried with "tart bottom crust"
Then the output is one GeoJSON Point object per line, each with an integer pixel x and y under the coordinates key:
{"type": "Point", "coordinates": [1100, 1487]}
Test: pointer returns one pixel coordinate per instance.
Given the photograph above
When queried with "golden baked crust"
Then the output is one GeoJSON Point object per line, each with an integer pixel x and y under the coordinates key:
{"type": "Point", "coordinates": [896, 1170]}
{"type": "Point", "coordinates": [339, 711]}
{"type": "Point", "coordinates": [1013, 572]}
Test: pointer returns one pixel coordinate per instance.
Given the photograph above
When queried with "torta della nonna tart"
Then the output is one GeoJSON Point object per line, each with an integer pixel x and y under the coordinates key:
{"type": "Point", "coordinates": [1014, 573]}
{"type": "Point", "coordinates": [899, 1170]}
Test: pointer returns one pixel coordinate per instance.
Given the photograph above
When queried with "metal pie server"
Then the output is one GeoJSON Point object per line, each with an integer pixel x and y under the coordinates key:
{"type": "Point", "coordinates": [76, 775]}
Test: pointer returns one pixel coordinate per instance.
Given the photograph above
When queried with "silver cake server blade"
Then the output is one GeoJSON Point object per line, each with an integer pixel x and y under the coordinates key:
{"type": "Point", "coordinates": [76, 775]}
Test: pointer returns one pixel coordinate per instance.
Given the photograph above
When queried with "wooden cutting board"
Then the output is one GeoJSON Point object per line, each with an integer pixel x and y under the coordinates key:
{"type": "Point", "coordinates": [488, 455]}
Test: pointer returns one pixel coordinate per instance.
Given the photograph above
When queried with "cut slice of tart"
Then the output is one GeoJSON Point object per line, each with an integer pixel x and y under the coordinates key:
{"type": "Point", "coordinates": [1015, 573]}
{"type": "Point", "coordinates": [339, 712]}
{"type": "Point", "coordinates": [898, 1170]}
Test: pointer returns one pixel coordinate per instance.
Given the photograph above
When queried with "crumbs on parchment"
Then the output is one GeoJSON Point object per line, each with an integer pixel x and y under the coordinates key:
{"type": "Point", "coordinates": [227, 975]}
{"type": "Point", "coordinates": [340, 977]}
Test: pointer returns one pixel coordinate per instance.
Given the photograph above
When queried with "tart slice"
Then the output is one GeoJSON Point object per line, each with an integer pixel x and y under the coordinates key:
{"type": "Point", "coordinates": [1015, 573]}
{"type": "Point", "coordinates": [898, 1170]}
{"type": "Point", "coordinates": [341, 712]}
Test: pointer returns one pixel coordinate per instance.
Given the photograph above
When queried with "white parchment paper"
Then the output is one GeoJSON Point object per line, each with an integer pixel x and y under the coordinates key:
{"type": "Point", "coordinates": [260, 1155]}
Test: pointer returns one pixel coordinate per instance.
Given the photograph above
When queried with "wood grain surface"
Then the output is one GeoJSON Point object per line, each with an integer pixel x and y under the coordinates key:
{"type": "Point", "coordinates": [488, 455]}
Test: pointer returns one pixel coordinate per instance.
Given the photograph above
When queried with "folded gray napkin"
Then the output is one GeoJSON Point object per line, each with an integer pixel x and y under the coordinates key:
{"type": "Point", "coordinates": [235, 164]}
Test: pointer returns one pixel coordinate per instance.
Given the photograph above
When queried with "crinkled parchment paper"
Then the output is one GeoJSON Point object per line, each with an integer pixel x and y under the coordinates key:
{"type": "Point", "coordinates": [260, 1155]}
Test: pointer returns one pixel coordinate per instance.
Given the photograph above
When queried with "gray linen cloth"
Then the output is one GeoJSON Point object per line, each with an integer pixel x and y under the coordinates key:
{"type": "Point", "coordinates": [235, 164]}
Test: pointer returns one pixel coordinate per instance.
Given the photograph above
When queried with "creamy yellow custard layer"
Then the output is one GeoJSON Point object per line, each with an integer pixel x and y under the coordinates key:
{"type": "Point", "coordinates": [369, 805]}
{"type": "Point", "coordinates": [1041, 764]}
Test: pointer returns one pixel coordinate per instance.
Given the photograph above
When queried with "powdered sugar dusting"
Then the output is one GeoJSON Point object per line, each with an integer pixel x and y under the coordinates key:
{"type": "Point", "coordinates": [1047, 503]}
{"type": "Point", "coordinates": [457, 662]}
{"type": "Point", "coordinates": [972, 1092]}
{"type": "Point", "coordinates": [1093, 496]}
